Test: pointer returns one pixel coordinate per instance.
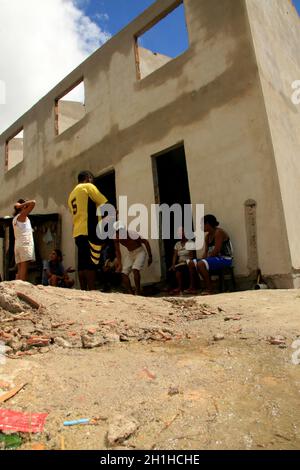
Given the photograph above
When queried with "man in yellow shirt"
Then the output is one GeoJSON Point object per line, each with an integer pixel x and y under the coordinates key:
{"type": "Point", "coordinates": [83, 203]}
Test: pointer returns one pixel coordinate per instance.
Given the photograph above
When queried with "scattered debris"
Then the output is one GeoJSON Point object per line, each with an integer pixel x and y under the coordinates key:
{"type": "Point", "coordinates": [93, 421]}
{"type": "Point", "coordinates": [63, 343]}
{"type": "Point", "coordinates": [167, 425]}
{"type": "Point", "coordinates": [21, 316]}
{"type": "Point", "coordinates": [17, 421]}
{"type": "Point", "coordinates": [38, 341]}
{"type": "Point", "coordinates": [28, 300]}
{"type": "Point", "coordinates": [89, 342]}
{"type": "Point", "coordinates": [76, 422]}
{"type": "Point", "coordinates": [38, 446]}
{"type": "Point", "coordinates": [59, 325]}
{"type": "Point", "coordinates": [219, 337]}
{"type": "Point", "coordinates": [10, 441]}
{"type": "Point", "coordinates": [173, 391]}
{"type": "Point", "coordinates": [120, 429]}
{"type": "Point", "coordinates": [276, 340]}
{"type": "Point", "coordinates": [9, 301]}
{"type": "Point", "coordinates": [150, 375]}
{"type": "Point", "coordinates": [4, 385]}
{"type": "Point", "coordinates": [11, 393]}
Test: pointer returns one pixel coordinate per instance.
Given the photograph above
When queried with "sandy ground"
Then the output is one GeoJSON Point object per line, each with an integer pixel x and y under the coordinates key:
{"type": "Point", "coordinates": [156, 371]}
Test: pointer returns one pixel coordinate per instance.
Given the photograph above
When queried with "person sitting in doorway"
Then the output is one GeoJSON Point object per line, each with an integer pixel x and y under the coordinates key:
{"type": "Point", "coordinates": [54, 273]}
{"type": "Point", "coordinates": [109, 277]}
{"type": "Point", "coordinates": [217, 254]}
{"type": "Point", "coordinates": [182, 255]}
{"type": "Point", "coordinates": [135, 256]}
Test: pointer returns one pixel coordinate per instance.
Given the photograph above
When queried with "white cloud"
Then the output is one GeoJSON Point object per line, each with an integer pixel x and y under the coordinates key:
{"type": "Point", "coordinates": [41, 41]}
{"type": "Point", "coordinates": [101, 16]}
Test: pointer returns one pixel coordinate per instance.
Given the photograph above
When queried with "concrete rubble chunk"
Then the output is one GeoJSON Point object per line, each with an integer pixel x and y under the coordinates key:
{"type": "Point", "coordinates": [15, 345]}
{"type": "Point", "coordinates": [63, 343]}
{"type": "Point", "coordinates": [9, 300]}
{"type": "Point", "coordinates": [219, 337]}
{"type": "Point", "coordinates": [89, 342]}
{"type": "Point", "coordinates": [112, 338]}
{"type": "Point", "coordinates": [120, 429]}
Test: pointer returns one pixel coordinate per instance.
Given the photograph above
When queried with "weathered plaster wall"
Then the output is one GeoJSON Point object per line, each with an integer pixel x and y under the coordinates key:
{"type": "Point", "coordinates": [210, 98]}
{"type": "Point", "coordinates": [150, 61]}
{"type": "Point", "coordinates": [15, 153]}
{"type": "Point", "coordinates": [276, 32]}
{"type": "Point", "coordinates": [69, 113]}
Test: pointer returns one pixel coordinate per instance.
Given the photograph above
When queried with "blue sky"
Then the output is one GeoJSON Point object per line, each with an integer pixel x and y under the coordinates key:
{"type": "Point", "coordinates": [114, 15]}
{"type": "Point", "coordinates": [297, 4]}
{"type": "Point", "coordinates": [122, 12]}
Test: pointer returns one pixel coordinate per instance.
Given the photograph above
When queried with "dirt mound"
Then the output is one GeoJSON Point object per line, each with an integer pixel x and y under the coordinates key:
{"type": "Point", "coordinates": [27, 324]}
{"type": "Point", "coordinates": [153, 373]}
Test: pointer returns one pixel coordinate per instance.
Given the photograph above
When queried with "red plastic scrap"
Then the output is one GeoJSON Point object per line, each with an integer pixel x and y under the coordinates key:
{"type": "Point", "coordinates": [22, 422]}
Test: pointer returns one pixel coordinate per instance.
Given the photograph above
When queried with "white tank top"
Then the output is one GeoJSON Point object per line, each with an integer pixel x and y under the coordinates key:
{"type": "Point", "coordinates": [23, 232]}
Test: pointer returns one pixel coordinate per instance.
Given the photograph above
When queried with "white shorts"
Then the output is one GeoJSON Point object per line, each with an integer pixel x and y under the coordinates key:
{"type": "Point", "coordinates": [134, 260]}
{"type": "Point", "coordinates": [24, 253]}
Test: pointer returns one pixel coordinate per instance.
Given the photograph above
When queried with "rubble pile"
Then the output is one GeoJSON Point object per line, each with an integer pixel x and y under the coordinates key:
{"type": "Point", "coordinates": [27, 328]}
{"type": "Point", "coordinates": [190, 310]}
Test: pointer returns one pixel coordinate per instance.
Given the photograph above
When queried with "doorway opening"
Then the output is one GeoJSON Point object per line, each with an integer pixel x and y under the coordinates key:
{"type": "Point", "coordinates": [47, 237]}
{"type": "Point", "coordinates": [171, 187]}
{"type": "Point", "coordinates": [107, 186]}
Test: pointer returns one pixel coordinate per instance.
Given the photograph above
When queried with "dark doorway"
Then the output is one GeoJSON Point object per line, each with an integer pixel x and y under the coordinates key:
{"type": "Point", "coordinates": [171, 187]}
{"type": "Point", "coordinates": [107, 186]}
{"type": "Point", "coordinates": [47, 237]}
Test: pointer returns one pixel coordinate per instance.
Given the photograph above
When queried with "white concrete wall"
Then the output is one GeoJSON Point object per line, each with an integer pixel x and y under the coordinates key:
{"type": "Point", "coordinates": [210, 98]}
{"type": "Point", "coordinates": [276, 32]}
{"type": "Point", "coordinates": [69, 113]}
{"type": "Point", "coordinates": [15, 153]}
{"type": "Point", "coordinates": [150, 61]}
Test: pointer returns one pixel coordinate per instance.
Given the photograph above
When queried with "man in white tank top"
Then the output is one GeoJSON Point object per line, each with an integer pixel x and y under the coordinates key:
{"type": "Point", "coordinates": [24, 245]}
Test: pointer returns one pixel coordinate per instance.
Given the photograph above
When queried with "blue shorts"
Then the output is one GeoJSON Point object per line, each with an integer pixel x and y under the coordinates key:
{"type": "Point", "coordinates": [215, 263]}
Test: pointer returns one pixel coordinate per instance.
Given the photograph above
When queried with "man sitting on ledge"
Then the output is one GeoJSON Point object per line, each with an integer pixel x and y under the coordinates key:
{"type": "Point", "coordinates": [217, 255]}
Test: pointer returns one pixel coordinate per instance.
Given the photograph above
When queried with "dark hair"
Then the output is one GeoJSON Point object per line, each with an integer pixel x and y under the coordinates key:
{"type": "Point", "coordinates": [58, 254]}
{"type": "Point", "coordinates": [83, 175]}
{"type": "Point", "coordinates": [17, 211]}
{"type": "Point", "coordinates": [211, 220]}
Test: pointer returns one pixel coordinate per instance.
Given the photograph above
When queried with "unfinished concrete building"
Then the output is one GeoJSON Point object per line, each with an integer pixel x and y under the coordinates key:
{"type": "Point", "coordinates": [215, 125]}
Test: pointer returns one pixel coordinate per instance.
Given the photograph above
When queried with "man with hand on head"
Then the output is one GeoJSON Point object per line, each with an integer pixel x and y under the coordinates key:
{"type": "Point", "coordinates": [24, 244]}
